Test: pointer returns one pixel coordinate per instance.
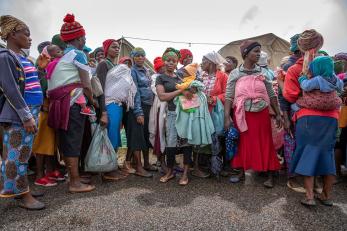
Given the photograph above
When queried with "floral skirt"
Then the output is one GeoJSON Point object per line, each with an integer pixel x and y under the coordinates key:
{"type": "Point", "coordinates": [17, 147]}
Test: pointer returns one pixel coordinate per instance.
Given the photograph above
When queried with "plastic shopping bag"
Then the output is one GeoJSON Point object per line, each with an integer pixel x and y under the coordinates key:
{"type": "Point", "coordinates": [101, 156]}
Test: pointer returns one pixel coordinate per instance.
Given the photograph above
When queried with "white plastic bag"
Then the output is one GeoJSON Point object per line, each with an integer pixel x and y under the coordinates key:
{"type": "Point", "coordinates": [101, 156]}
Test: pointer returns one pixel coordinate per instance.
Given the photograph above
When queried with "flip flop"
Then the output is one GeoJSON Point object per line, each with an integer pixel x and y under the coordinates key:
{"type": "Point", "coordinates": [308, 202]}
{"type": "Point", "coordinates": [166, 179]}
{"type": "Point", "coordinates": [151, 168]}
{"type": "Point", "coordinates": [326, 202]}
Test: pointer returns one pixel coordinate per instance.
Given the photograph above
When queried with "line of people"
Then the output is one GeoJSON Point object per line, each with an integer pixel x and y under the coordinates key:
{"type": "Point", "coordinates": [234, 119]}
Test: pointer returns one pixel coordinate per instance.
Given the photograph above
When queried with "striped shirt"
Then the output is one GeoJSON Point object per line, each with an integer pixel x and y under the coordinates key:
{"type": "Point", "coordinates": [32, 92]}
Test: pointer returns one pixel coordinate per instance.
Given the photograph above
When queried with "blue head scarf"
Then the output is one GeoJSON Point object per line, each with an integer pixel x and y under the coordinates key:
{"type": "Point", "coordinates": [323, 66]}
{"type": "Point", "coordinates": [137, 51]}
{"type": "Point", "coordinates": [294, 43]}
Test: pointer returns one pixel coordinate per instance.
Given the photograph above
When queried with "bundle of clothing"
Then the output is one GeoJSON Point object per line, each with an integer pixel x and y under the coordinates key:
{"type": "Point", "coordinates": [120, 87]}
{"type": "Point", "coordinates": [195, 125]}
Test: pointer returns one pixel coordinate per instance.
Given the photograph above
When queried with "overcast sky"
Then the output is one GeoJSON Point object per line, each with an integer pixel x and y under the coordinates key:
{"type": "Point", "coordinates": [216, 21]}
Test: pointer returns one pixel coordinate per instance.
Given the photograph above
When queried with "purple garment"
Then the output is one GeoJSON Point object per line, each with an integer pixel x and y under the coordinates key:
{"type": "Point", "coordinates": [59, 105]}
{"type": "Point", "coordinates": [289, 148]}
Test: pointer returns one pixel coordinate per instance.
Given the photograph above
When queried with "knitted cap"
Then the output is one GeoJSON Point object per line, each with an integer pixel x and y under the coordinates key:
{"type": "Point", "coordinates": [192, 68]}
{"type": "Point", "coordinates": [71, 29]}
{"type": "Point", "coordinates": [246, 46]}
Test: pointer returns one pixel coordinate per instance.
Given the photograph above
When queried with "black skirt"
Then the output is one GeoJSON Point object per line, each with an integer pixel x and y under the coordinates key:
{"type": "Point", "coordinates": [137, 135]}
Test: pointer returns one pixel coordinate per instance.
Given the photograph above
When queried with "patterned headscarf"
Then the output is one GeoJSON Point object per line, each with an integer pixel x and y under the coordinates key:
{"type": "Point", "coordinates": [8, 24]}
{"type": "Point", "coordinates": [215, 58]}
{"type": "Point", "coordinates": [171, 52]}
{"type": "Point", "coordinates": [137, 51]}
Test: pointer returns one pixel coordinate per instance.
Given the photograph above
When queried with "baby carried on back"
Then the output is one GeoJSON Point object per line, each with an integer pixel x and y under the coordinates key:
{"type": "Point", "coordinates": [320, 91]}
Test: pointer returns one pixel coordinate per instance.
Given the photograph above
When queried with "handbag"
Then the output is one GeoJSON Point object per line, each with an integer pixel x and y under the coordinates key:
{"type": "Point", "coordinates": [96, 86]}
{"type": "Point", "coordinates": [101, 156]}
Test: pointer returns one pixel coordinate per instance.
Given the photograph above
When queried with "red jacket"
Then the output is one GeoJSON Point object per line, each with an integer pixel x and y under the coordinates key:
{"type": "Point", "coordinates": [219, 88]}
{"type": "Point", "coordinates": [292, 91]}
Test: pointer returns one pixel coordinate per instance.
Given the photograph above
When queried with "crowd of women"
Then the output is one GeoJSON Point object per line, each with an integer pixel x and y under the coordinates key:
{"type": "Point", "coordinates": [246, 117]}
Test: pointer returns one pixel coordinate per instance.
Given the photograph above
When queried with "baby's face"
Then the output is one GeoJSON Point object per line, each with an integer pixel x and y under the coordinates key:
{"type": "Point", "coordinates": [55, 52]}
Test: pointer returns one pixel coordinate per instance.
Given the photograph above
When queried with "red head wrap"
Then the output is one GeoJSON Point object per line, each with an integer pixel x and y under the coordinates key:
{"type": "Point", "coordinates": [184, 53]}
{"type": "Point", "coordinates": [106, 45]}
{"type": "Point", "coordinates": [158, 63]}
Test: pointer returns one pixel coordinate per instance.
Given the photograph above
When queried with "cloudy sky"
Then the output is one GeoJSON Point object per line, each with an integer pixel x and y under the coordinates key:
{"type": "Point", "coordinates": [216, 21]}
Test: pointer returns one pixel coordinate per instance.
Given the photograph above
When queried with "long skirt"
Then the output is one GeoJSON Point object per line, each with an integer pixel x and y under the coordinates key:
{"type": "Point", "coordinates": [256, 150]}
{"type": "Point", "coordinates": [44, 142]}
{"type": "Point", "coordinates": [138, 135]}
{"type": "Point", "coordinates": [17, 146]}
{"type": "Point", "coordinates": [115, 114]}
{"type": "Point", "coordinates": [315, 141]}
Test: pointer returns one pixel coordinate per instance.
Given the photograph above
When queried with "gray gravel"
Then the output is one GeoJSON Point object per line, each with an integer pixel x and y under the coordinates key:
{"type": "Point", "coordinates": [205, 204]}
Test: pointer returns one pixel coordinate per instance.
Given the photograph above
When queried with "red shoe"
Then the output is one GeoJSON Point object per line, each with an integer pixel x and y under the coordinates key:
{"type": "Point", "coordinates": [55, 176]}
{"type": "Point", "coordinates": [45, 182]}
{"type": "Point", "coordinates": [89, 111]}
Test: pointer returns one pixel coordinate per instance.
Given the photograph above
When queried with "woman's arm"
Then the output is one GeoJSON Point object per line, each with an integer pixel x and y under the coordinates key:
{"type": "Point", "coordinates": [163, 96]}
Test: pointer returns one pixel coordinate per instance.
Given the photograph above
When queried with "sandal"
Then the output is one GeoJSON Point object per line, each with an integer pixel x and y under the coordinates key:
{"type": "Point", "coordinates": [326, 202]}
{"type": "Point", "coordinates": [165, 179]}
{"type": "Point", "coordinates": [308, 202]}
{"type": "Point", "coordinates": [151, 168]}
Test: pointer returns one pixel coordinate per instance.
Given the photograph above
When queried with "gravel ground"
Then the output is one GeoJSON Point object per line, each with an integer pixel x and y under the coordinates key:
{"type": "Point", "coordinates": [205, 204]}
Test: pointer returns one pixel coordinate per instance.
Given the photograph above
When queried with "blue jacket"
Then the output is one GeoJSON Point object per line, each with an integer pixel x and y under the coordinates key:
{"type": "Point", "coordinates": [323, 84]}
{"type": "Point", "coordinates": [13, 108]}
{"type": "Point", "coordinates": [144, 94]}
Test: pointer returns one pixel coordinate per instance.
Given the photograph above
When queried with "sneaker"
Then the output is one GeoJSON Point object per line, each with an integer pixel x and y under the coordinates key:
{"type": "Point", "coordinates": [89, 111]}
{"type": "Point", "coordinates": [45, 182]}
{"type": "Point", "coordinates": [56, 176]}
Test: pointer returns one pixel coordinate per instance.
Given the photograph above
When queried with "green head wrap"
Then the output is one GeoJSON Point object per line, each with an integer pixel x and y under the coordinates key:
{"type": "Point", "coordinates": [171, 52]}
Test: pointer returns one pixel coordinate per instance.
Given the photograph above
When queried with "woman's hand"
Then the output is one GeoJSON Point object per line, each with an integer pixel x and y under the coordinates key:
{"type": "Point", "coordinates": [287, 125]}
{"type": "Point", "coordinates": [279, 121]}
{"type": "Point", "coordinates": [227, 123]}
{"type": "Point", "coordinates": [140, 120]}
{"type": "Point", "coordinates": [43, 61]}
{"type": "Point", "coordinates": [30, 126]}
{"type": "Point", "coordinates": [104, 120]}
